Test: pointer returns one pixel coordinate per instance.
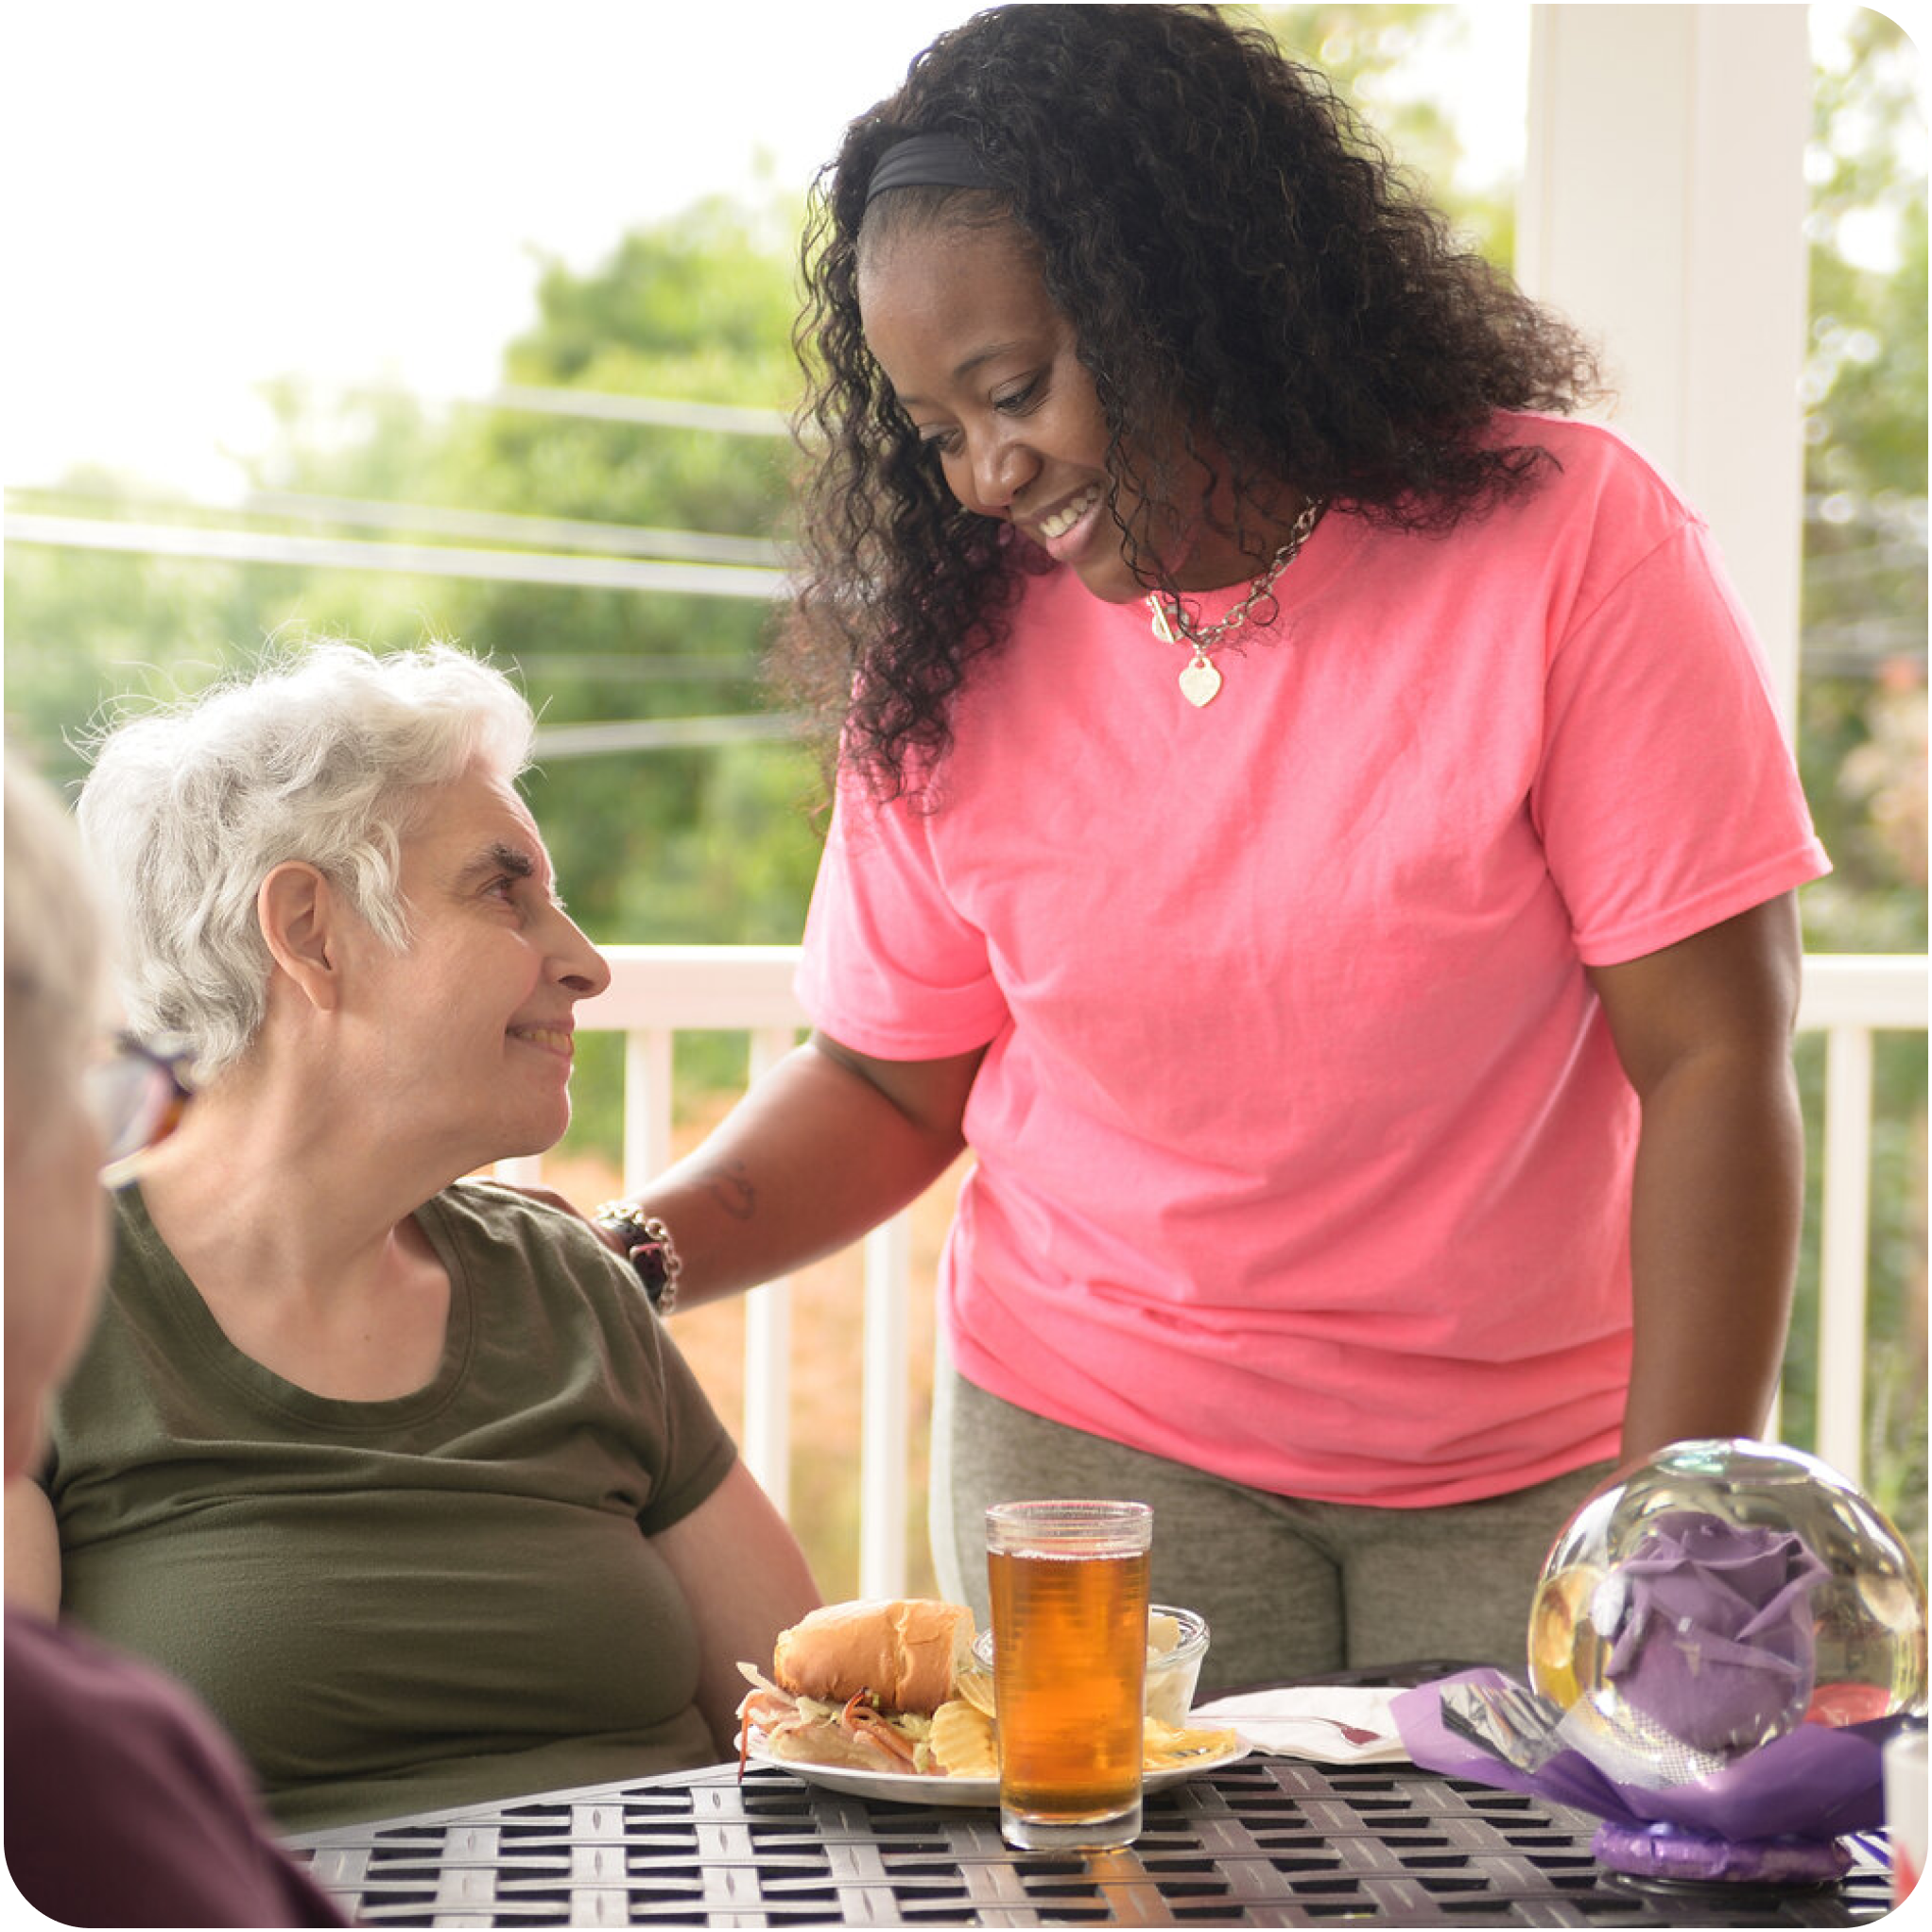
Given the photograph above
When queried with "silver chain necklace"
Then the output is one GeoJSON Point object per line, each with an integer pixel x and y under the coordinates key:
{"type": "Point", "coordinates": [1201, 679]}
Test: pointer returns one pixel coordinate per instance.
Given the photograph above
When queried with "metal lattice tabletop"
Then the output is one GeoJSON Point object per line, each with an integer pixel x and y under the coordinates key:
{"type": "Point", "coordinates": [1266, 1842]}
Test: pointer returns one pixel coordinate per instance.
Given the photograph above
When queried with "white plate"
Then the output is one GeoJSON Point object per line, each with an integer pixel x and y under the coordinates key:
{"type": "Point", "coordinates": [967, 1793]}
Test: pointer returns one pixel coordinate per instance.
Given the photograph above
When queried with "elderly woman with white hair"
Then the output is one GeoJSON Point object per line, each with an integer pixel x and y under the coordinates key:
{"type": "Point", "coordinates": [400, 1471]}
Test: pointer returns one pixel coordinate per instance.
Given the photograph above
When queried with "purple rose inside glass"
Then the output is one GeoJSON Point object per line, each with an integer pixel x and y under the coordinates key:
{"type": "Point", "coordinates": [1711, 1629]}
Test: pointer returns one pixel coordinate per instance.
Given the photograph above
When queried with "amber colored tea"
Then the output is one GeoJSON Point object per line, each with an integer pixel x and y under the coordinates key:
{"type": "Point", "coordinates": [1069, 1668]}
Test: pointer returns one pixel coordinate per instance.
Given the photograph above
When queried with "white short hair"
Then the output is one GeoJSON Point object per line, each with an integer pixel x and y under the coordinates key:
{"type": "Point", "coordinates": [324, 756]}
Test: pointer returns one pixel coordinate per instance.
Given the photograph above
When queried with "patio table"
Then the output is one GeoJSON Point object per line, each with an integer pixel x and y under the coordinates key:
{"type": "Point", "coordinates": [1261, 1841]}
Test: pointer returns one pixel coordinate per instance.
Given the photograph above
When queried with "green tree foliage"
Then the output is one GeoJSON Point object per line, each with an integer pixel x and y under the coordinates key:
{"type": "Point", "coordinates": [698, 309]}
{"type": "Point", "coordinates": [706, 844]}
{"type": "Point", "coordinates": [86, 629]}
{"type": "Point", "coordinates": [1863, 738]}
{"type": "Point", "coordinates": [1862, 726]}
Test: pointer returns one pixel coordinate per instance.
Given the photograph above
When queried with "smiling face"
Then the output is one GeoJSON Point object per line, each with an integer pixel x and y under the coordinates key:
{"type": "Point", "coordinates": [477, 1016]}
{"type": "Point", "coordinates": [987, 368]}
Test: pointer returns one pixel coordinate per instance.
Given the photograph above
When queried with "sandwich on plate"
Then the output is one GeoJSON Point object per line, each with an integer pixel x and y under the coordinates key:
{"type": "Point", "coordinates": [892, 1685]}
{"type": "Point", "coordinates": [877, 1686]}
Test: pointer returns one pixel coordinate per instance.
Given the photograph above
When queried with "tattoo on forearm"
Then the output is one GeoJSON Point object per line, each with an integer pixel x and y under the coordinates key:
{"type": "Point", "coordinates": [730, 1187]}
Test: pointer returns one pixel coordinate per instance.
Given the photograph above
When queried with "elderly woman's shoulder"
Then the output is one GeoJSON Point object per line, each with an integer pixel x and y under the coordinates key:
{"type": "Point", "coordinates": [481, 1212]}
{"type": "Point", "coordinates": [516, 1250]}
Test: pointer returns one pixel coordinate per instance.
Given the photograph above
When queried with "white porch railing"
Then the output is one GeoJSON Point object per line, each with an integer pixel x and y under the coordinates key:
{"type": "Point", "coordinates": [1849, 997]}
{"type": "Point", "coordinates": [659, 992]}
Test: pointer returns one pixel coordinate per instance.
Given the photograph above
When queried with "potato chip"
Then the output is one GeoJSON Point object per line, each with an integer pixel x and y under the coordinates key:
{"type": "Point", "coordinates": [975, 1687]}
{"type": "Point", "coordinates": [1170, 1747]}
{"type": "Point", "coordinates": [1163, 1634]}
{"type": "Point", "coordinates": [961, 1741]}
{"type": "Point", "coordinates": [962, 1736]}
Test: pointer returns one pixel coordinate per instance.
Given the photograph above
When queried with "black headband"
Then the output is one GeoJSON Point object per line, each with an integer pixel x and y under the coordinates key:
{"type": "Point", "coordinates": [928, 160]}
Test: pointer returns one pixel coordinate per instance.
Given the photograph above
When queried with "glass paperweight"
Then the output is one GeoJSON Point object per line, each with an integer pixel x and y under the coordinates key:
{"type": "Point", "coordinates": [1721, 1596]}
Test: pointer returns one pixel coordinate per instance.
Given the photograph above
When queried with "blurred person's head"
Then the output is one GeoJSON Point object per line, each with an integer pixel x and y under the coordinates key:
{"type": "Point", "coordinates": [55, 1209]}
{"type": "Point", "coordinates": [328, 757]}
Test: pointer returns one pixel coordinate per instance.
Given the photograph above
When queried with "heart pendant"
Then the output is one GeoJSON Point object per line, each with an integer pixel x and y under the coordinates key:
{"type": "Point", "coordinates": [1200, 681]}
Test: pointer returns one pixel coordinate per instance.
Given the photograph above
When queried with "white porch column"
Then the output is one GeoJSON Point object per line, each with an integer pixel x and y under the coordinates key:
{"type": "Point", "coordinates": [1662, 209]}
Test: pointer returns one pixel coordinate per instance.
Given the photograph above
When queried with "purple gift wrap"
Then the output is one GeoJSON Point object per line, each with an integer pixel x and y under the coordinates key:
{"type": "Point", "coordinates": [1818, 1781]}
{"type": "Point", "coordinates": [1662, 1850]}
{"type": "Point", "coordinates": [1699, 1623]}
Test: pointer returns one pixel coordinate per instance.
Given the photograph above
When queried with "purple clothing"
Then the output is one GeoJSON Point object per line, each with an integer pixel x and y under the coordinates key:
{"type": "Point", "coordinates": [125, 1805]}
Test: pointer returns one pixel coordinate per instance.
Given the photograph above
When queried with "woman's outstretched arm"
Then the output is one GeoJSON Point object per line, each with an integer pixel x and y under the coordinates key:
{"type": "Point", "coordinates": [825, 1146]}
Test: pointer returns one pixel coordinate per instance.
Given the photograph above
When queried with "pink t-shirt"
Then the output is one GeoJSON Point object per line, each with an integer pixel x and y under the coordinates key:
{"type": "Point", "coordinates": [1303, 1150]}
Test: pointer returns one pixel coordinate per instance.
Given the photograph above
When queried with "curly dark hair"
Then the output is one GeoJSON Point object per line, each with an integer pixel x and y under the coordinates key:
{"type": "Point", "coordinates": [1220, 231]}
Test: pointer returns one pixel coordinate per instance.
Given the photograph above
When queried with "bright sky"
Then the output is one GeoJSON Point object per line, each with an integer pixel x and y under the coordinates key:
{"type": "Point", "coordinates": [208, 193]}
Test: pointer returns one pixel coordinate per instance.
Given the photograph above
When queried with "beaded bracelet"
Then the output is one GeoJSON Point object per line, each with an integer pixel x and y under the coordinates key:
{"type": "Point", "coordinates": [649, 1244]}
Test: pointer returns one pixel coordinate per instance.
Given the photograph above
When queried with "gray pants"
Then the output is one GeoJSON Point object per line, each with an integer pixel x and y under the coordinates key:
{"type": "Point", "coordinates": [1289, 1589]}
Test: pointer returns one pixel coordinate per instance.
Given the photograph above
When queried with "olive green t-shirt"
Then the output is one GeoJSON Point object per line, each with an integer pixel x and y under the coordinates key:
{"type": "Point", "coordinates": [403, 1605]}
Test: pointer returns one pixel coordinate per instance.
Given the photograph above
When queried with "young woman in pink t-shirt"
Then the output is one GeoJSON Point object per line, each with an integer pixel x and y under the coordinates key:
{"type": "Point", "coordinates": [1310, 819]}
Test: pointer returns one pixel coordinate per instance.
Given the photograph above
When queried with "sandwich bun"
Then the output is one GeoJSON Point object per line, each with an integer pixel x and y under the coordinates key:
{"type": "Point", "coordinates": [908, 1652]}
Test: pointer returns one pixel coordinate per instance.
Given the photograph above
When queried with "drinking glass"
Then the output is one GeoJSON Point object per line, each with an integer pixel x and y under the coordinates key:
{"type": "Point", "coordinates": [1069, 1584]}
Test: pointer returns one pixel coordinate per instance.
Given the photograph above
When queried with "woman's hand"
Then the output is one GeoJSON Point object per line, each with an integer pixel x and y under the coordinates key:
{"type": "Point", "coordinates": [1703, 1029]}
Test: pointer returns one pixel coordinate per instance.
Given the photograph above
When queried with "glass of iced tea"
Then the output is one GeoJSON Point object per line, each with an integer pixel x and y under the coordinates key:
{"type": "Point", "coordinates": [1069, 1582]}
